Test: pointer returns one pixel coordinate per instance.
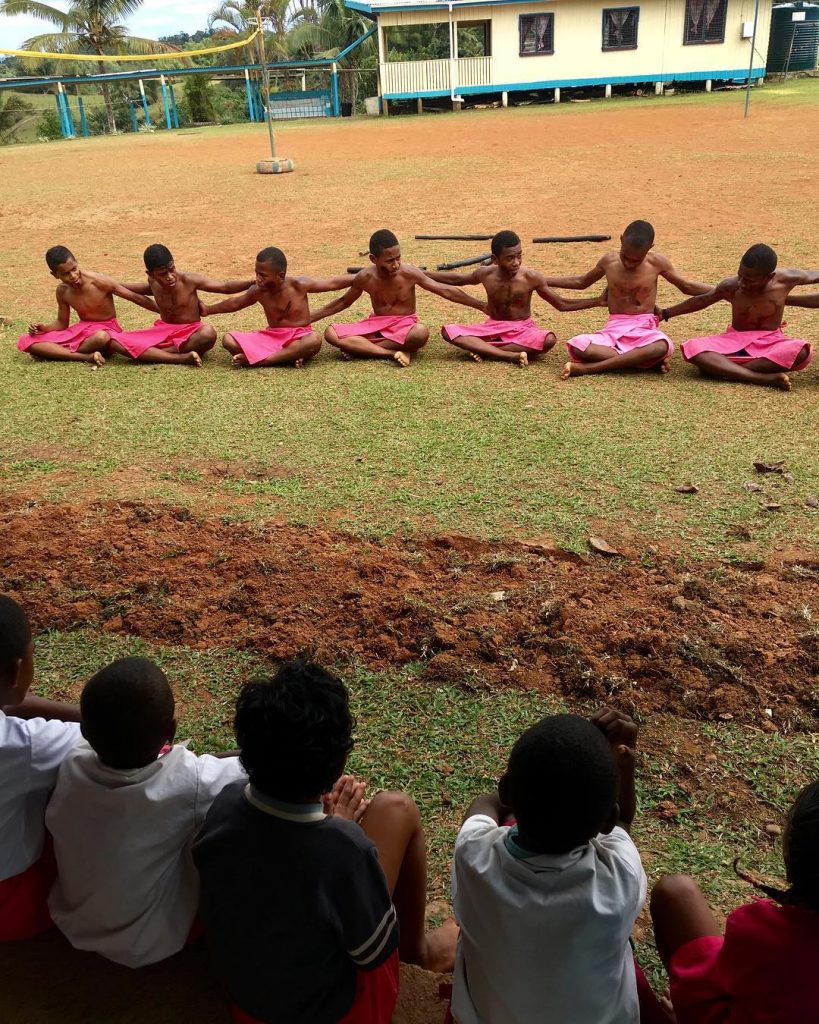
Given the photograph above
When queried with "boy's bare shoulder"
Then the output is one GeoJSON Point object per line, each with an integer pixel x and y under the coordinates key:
{"type": "Point", "coordinates": [608, 259]}
{"type": "Point", "coordinates": [658, 260]}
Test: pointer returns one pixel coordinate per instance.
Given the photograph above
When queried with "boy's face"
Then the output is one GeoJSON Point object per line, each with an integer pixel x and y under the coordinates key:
{"type": "Point", "coordinates": [267, 277]}
{"type": "Point", "coordinates": [14, 684]}
{"type": "Point", "coordinates": [752, 282]}
{"type": "Point", "coordinates": [388, 261]}
{"type": "Point", "coordinates": [510, 259]}
{"type": "Point", "coordinates": [630, 256]}
{"type": "Point", "coordinates": [166, 277]}
{"type": "Point", "coordinates": [68, 273]}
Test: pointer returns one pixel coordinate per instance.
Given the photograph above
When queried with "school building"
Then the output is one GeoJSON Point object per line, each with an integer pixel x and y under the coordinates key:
{"type": "Point", "coordinates": [479, 47]}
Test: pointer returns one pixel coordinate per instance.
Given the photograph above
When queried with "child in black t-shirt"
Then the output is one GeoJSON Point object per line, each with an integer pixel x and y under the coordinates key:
{"type": "Point", "coordinates": [302, 907]}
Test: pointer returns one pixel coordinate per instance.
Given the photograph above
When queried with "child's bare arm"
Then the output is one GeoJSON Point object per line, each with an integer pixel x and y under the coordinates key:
{"type": "Point", "coordinates": [491, 805]}
{"type": "Point", "coordinates": [795, 278]}
{"type": "Point", "coordinates": [673, 276]}
{"type": "Point", "coordinates": [122, 291]}
{"type": "Point", "coordinates": [445, 291]}
{"type": "Point", "coordinates": [806, 301]}
{"type": "Point", "coordinates": [336, 305]}
{"type": "Point", "coordinates": [250, 297]}
{"type": "Point", "coordinates": [621, 732]}
{"type": "Point", "coordinates": [564, 305]}
{"type": "Point", "coordinates": [205, 284]}
{"type": "Point", "coordinates": [326, 284]}
{"type": "Point", "coordinates": [475, 276]}
{"type": "Point", "coordinates": [579, 282]}
{"type": "Point", "coordinates": [720, 292]}
{"type": "Point", "coordinates": [61, 321]}
{"type": "Point", "coordinates": [39, 707]}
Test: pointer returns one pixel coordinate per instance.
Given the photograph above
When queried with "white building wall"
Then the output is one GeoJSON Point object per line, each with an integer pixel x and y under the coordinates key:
{"type": "Point", "coordinates": [578, 55]}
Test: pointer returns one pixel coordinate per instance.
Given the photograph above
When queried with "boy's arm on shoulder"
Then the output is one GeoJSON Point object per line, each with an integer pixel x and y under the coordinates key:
{"type": "Point", "coordinates": [456, 277]}
{"type": "Point", "coordinates": [250, 297]}
{"type": "Point", "coordinates": [579, 282]}
{"type": "Point", "coordinates": [621, 732]}
{"type": "Point", "coordinates": [722, 291]}
{"type": "Point", "coordinates": [793, 278]}
{"type": "Point", "coordinates": [445, 291]}
{"type": "Point", "coordinates": [673, 276]}
{"type": "Point", "coordinates": [207, 284]}
{"type": "Point", "coordinates": [326, 284]}
{"type": "Point", "coordinates": [40, 707]}
{"type": "Point", "coordinates": [122, 291]}
{"type": "Point", "coordinates": [563, 304]}
{"type": "Point", "coordinates": [805, 301]}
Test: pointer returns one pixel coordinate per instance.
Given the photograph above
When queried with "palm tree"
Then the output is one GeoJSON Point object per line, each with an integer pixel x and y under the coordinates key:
{"type": "Point", "coordinates": [239, 16]}
{"type": "Point", "coordinates": [88, 26]}
{"type": "Point", "coordinates": [337, 28]}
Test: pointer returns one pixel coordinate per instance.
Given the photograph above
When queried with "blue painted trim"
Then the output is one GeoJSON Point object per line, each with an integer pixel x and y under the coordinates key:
{"type": "Point", "coordinates": [167, 106]}
{"type": "Point", "coordinates": [358, 5]}
{"type": "Point", "coordinates": [573, 83]}
{"type": "Point", "coordinates": [357, 42]}
{"type": "Point", "coordinates": [250, 111]}
{"type": "Point", "coordinates": [334, 89]}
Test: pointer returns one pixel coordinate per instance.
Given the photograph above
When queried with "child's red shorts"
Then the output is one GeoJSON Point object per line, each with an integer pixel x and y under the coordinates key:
{"type": "Point", "coordinates": [24, 900]}
{"type": "Point", "coordinates": [376, 994]}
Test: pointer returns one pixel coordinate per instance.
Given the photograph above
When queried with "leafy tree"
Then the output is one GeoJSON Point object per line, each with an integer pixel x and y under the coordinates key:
{"type": "Point", "coordinates": [198, 99]}
{"type": "Point", "coordinates": [279, 16]}
{"type": "Point", "coordinates": [14, 112]}
{"type": "Point", "coordinates": [48, 127]}
{"type": "Point", "coordinates": [88, 26]}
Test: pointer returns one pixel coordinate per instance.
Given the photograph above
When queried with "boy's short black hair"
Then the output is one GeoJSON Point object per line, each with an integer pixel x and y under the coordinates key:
{"type": "Point", "coordinates": [381, 240]}
{"type": "Point", "coordinates": [294, 731]}
{"type": "Point", "coordinates": [760, 257]}
{"type": "Point", "coordinates": [15, 633]}
{"type": "Point", "coordinates": [127, 710]}
{"type": "Point", "coordinates": [57, 255]}
{"type": "Point", "coordinates": [639, 234]}
{"type": "Point", "coordinates": [504, 240]}
{"type": "Point", "coordinates": [157, 256]}
{"type": "Point", "coordinates": [561, 783]}
{"type": "Point", "coordinates": [275, 257]}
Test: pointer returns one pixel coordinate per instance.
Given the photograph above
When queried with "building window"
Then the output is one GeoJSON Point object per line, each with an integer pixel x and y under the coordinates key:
{"type": "Point", "coordinates": [474, 38]}
{"type": "Point", "coordinates": [705, 21]}
{"type": "Point", "coordinates": [417, 42]}
{"type": "Point", "coordinates": [537, 34]}
{"type": "Point", "coordinates": [620, 28]}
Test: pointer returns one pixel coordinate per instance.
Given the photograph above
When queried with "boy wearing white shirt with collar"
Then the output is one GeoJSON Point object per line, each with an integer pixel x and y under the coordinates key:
{"type": "Point", "coordinates": [124, 815]}
{"type": "Point", "coordinates": [35, 736]}
{"type": "Point", "coordinates": [546, 906]}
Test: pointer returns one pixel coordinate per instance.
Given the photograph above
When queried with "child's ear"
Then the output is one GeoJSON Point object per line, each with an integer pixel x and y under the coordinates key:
{"type": "Point", "coordinates": [611, 823]}
{"type": "Point", "coordinates": [372, 258]}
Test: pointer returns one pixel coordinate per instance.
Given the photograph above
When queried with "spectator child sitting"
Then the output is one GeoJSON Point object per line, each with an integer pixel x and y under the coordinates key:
{"type": "Point", "coordinates": [35, 736]}
{"type": "Point", "coordinates": [763, 971]}
{"type": "Point", "coordinates": [123, 816]}
{"type": "Point", "coordinates": [546, 906]}
{"type": "Point", "coordinates": [302, 907]}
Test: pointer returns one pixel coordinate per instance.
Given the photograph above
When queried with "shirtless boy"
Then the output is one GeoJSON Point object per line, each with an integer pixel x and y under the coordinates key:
{"type": "Point", "coordinates": [510, 333]}
{"type": "Point", "coordinates": [289, 338]}
{"type": "Point", "coordinates": [179, 336]}
{"type": "Point", "coordinates": [90, 295]}
{"type": "Point", "coordinates": [393, 331]}
{"type": "Point", "coordinates": [753, 349]}
{"type": "Point", "coordinates": [630, 339]}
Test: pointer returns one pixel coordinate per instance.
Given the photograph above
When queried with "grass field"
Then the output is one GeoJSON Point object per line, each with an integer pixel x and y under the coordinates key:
{"type": "Point", "coordinates": [220, 519]}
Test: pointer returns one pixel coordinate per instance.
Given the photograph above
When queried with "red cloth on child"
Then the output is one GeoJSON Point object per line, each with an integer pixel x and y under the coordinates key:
{"type": "Point", "coordinates": [24, 899]}
{"type": "Point", "coordinates": [763, 972]}
{"type": "Point", "coordinates": [376, 993]}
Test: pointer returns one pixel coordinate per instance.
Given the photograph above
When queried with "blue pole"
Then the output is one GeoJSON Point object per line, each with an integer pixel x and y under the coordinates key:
{"type": "Point", "coordinates": [83, 121]}
{"type": "Point", "coordinates": [166, 104]}
{"type": "Point", "coordinates": [132, 105]}
{"type": "Point", "coordinates": [60, 114]}
{"type": "Point", "coordinates": [334, 82]}
{"type": "Point", "coordinates": [69, 120]}
{"type": "Point", "coordinates": [249, 96]}
{"type": "Point", "coordinates": [145, 104]}
{"type": "Point", "coordinates": [174, 111]}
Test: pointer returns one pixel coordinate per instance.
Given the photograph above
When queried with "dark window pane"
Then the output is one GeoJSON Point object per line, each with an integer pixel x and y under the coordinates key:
{"type": "Point", "coordinates": [536, 34]}
{"type": "Point", "coordinates": [620, 28]}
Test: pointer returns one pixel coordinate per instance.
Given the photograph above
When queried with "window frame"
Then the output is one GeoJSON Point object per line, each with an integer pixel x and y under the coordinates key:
{"type": "Point", "coordinates": [704, 42]}
{"type": "Point", "coordinates": [537, 53]}
{"type": "Point", "coordinates": [627, 46]}
{"type": "Point", "coordinates": [487, 23]}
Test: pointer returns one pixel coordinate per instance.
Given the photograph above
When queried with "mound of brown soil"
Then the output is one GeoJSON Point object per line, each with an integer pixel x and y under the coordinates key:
{"type": "Point", "coordinates": [718, 642]}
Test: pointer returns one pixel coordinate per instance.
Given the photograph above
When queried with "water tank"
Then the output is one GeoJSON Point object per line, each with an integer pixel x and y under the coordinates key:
{"type": "Point", "coordinates": [794, 37]}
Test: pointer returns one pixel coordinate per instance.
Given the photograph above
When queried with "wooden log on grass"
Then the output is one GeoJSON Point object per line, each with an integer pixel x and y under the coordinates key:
{"type": "Point", "coordinates": [357, 270]}
{"type": "Point", "coordinates": [573, 238]}
{"type": "Point", "coordinates": [485, 258]}
{"type": "Point", "coordinates": [453, 238]}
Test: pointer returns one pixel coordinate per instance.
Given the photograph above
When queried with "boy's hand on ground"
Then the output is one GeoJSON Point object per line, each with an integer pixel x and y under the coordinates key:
{"type": "Point", "coordinates": [346, 799]}
{"type": "Point", "coordinates": [618, 728]}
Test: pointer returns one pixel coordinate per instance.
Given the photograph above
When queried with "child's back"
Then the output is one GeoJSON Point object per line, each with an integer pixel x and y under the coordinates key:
{"type": "Point", "coordinates": [123, 818]}
{"type": "Point", "coordinates": [546, 906]}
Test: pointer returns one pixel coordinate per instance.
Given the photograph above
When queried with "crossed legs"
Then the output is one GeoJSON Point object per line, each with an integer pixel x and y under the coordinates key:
{"type": "Point", "coordinates": [93, 350]}
{"type": "Point", "coordinates": [755, 371]}
{"type": "Point", "coordinates": [602, 359]}
{"type": "Point", "coordinates": [374, 347]}
{"type": "Point", "coordinates": [480, 349]}
{"type": "Point", "coordinates": [297, 353]}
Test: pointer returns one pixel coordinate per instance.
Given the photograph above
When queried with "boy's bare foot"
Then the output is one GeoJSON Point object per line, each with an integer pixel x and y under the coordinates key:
{"type": "Point", "coordinates": [439, 947]}
{"type": "Point", "coordinates": [665, 366]}
{"type": "Point", "coordinates": [239, 361]}
{"type": "Point", "coordinates": [98, 359]}
{"type": "Point", "coordinates": [345, 355]}
{"type": "Point", "coordinates": [299, 364]}
{"type": "Point", "coordinates": [475, 357]}
{"type": "Point", "coordinates": [194, 359]}
{"type": "Point", "coordinates": [567, 371]}
{"type": "Point", "coordinates": [401, 358]}
{"type": "Point", "coordinates": [522, 360]}
{"type": "Point", "coordinates": [781, 381]}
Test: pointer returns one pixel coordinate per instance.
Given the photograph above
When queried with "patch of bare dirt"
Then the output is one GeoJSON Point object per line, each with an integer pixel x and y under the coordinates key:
{"type": "Point", "coordinates": [719, 642]}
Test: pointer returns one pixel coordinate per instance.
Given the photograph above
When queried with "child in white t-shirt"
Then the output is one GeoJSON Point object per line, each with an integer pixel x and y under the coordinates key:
{"type": "Point", "coordinates": [546, 905]}
{"type": "Point", "coordinates": [124, 814]}
{"type": "Point", "coordinates": [35, 736]}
